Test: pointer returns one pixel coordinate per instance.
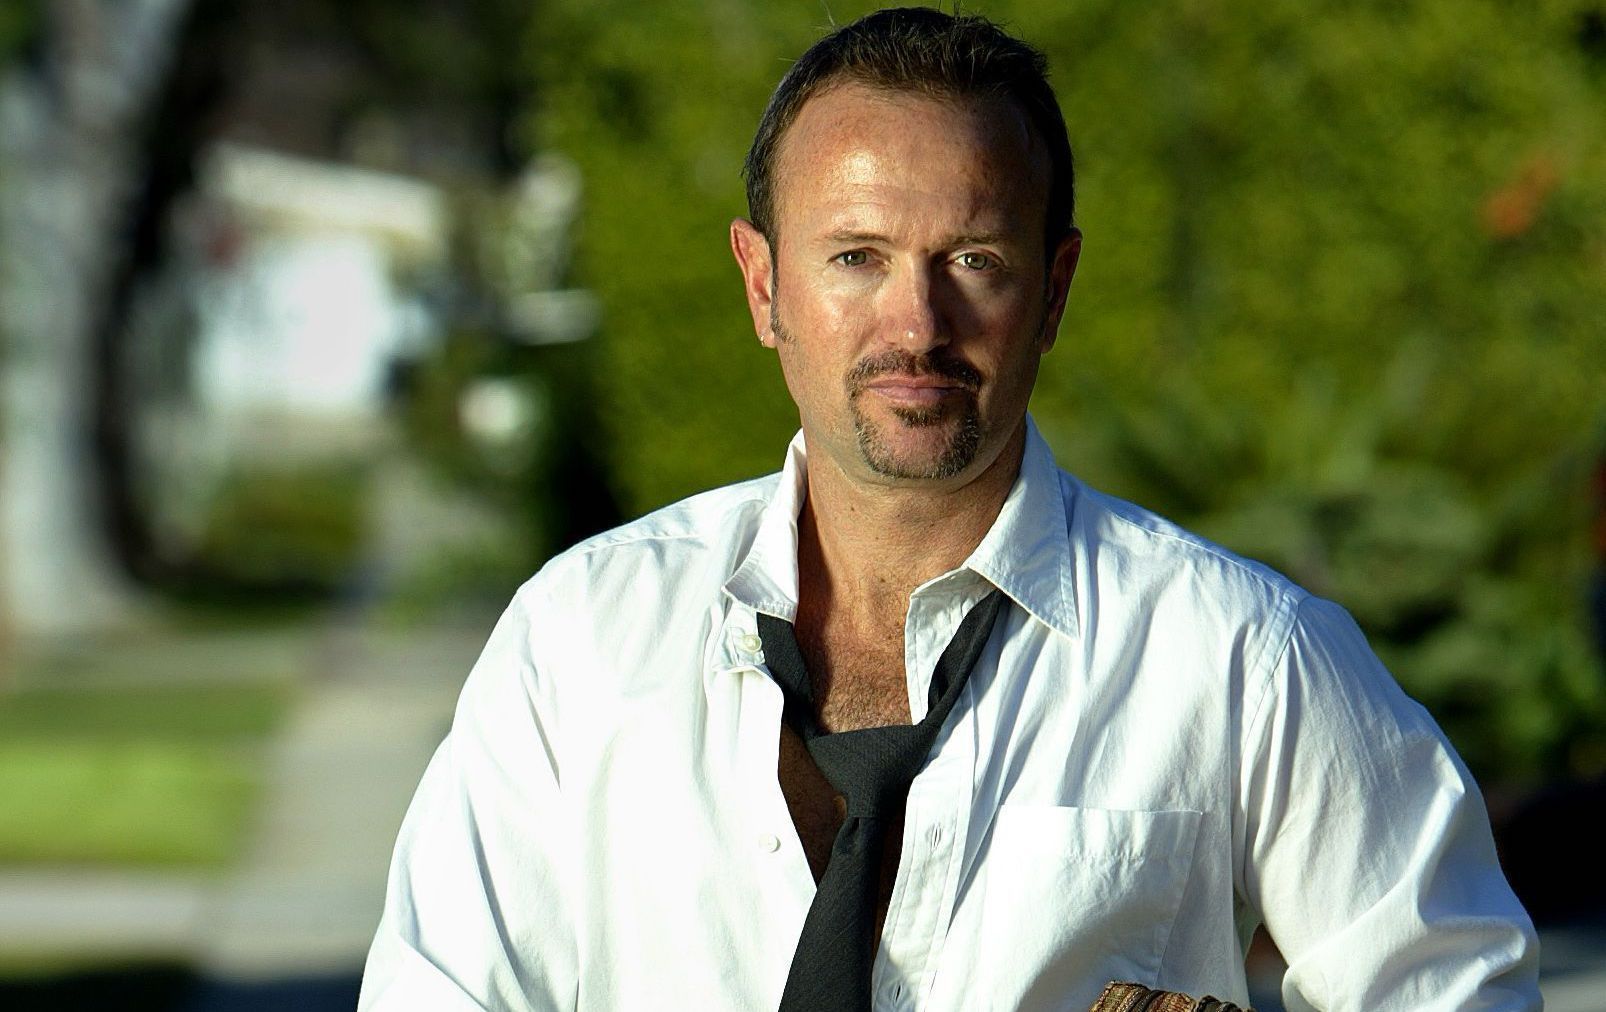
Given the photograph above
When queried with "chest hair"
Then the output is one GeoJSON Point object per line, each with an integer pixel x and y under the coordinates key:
{"type": "Point", "coordinates": [857, 682]}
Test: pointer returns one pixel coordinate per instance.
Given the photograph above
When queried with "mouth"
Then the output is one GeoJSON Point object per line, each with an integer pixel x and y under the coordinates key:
{"type": "Point", "coordinates": [915, 391]}
{"type": "Point", "coordinates": [914, 381]}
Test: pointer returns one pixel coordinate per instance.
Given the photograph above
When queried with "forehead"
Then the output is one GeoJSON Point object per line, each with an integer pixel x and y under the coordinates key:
{"type": "Point", "coordinates": [856, 149]}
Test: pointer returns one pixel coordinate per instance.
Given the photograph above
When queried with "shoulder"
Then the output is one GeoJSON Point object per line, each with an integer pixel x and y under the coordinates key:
{"type": "Point", "coordinates": [1144, 550]}
{"type": "Point", "coordinates": [1290, 645]}
{"type": "Point", "coordinates": [707, 516]}
{"type": "Point", "coordinates": [596, 613]}
{"type": "Point", "coordinates": [1222, 620]}
{"type": "Point", "coordinates": [700, 538]}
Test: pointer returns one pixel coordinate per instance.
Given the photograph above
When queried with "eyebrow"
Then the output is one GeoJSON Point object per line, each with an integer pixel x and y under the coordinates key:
{"type": "Point", "coordinates": [963, 239]}
{"type": "Point", "coordinates": [980, 239]}
{"type": "Point", "coordinates": [849, 235]}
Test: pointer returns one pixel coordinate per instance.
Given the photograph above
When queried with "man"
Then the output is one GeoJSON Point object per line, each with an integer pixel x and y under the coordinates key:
{"type": "Point", "coordinates": [1121, 747]}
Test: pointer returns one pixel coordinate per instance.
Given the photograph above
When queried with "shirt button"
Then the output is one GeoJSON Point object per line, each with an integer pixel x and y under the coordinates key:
{"type": "Point", "coordinates": [751, 643]}
{"type": "Point", "coordinates": [934, 836]}
{"type": "Point", "coordinates": [769, 842]}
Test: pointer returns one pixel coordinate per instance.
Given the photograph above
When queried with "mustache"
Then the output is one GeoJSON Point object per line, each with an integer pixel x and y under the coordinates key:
{"type": "Point", "coordinates": [905, 363]}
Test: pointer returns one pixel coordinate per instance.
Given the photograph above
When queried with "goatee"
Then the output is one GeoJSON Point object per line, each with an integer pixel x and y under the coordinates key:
{"type": "Point", "coordinates": [964, 418]}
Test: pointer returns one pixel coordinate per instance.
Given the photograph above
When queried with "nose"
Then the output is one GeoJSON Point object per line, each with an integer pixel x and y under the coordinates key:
{"type": "Point", "coordinates": [913, 314]}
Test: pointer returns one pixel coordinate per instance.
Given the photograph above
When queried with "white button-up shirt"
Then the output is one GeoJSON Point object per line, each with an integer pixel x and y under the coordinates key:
{"type": "Point", "coordinates": [1161, 746]}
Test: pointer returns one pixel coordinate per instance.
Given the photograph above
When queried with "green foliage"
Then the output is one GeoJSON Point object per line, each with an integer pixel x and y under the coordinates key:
{"type": "Point", "coordinates": [1340, 303]}
{"type": "Point", "coordinates": [657, 103]}
{"type": "Point", "coordinates": [529, 474]}
{"type": "Point", "coordinates": [19, 21]}
{"type": "Point", "coordinates": [431, 416]}
{"type": "Point", "coordinates": [293, 526]}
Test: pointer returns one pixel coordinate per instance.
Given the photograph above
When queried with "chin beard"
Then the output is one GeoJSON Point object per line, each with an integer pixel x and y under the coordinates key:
{"type": "Point", "coordinates": [964, 439]}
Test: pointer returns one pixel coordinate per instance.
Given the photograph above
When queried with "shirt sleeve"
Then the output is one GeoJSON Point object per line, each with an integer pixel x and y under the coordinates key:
{"type": "Point", "coordinates": [1368, 852]}
{"type": "Point", "coordinates": [476, 906]}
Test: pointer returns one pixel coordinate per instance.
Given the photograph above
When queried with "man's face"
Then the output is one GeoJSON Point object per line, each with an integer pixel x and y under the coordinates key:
{"type": "Point", "coordinates": [909, 301]}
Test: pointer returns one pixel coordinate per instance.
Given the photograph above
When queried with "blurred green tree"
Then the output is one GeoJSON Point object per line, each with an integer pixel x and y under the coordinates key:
{"type": "Point", "coordinates": [19, 20]}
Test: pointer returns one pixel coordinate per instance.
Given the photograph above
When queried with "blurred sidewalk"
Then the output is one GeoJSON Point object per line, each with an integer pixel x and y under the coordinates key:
{"type": "Point", "coordinates": [307, 896]}
{"type": "Point", "coordinates": [304, 899]}
{"type": "Point", "coordinates": [1573, 966]}
{"type": "Point", "coordinates": [303, 902]}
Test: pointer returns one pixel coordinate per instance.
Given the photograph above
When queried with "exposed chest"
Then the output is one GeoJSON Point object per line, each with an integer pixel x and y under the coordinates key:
{"type": "Point", "coordinates": [856, 684]}
{"type": "Point", "coordinates": [858, 680]}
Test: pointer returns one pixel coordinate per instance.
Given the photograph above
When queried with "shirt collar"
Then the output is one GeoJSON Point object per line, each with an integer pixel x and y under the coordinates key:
{"type": "Point", "coordinates": [766, 581]}
{"type": "Point", "coordinates": [1026, 553]}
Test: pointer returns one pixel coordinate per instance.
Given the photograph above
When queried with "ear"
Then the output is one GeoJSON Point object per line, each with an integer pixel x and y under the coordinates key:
{"type": "Point", "coordinates": [758, 273]}
{"type": "Point", "coordinates": [1060, 271]}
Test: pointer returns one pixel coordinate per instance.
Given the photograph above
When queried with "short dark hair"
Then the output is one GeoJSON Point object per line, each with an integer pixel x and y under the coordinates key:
{"type": "Point", "coordinates": [930, 52]}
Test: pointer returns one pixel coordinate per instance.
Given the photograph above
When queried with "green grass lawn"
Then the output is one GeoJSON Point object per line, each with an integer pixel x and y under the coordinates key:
{"type": "Point", "coordinates": [150, 775]}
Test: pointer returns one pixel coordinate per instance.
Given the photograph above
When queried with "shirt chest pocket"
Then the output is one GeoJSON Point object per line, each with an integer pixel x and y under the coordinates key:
{"type": "Point", "coordinates": [1075, 897]}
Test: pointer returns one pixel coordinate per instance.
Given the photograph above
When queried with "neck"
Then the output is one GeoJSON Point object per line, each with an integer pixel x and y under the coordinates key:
{"type": "Point", "coordinates": [864, 548]}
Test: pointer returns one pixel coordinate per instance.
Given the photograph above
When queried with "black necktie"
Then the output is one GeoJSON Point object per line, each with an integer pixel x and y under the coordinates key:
{"type": "Point", "coordinates": [872, 769]}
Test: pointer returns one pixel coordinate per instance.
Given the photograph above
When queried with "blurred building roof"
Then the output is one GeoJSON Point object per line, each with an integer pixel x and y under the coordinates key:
{"type": "Point", "coordinates": [288, 193]}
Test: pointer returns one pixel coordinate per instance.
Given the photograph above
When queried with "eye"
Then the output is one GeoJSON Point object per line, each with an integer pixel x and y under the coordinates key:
{"type": "Point", "coordinates": [853, 258]}
{"type": "Point", "coordinates": [972, 260]}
